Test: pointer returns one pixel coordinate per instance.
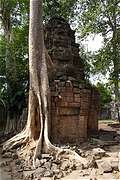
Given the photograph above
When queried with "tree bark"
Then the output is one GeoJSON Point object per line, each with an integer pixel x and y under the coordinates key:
{"type": "Point", "coordinates": [39, 85]}
{"type": "Point", "coordinates": [115, 62]}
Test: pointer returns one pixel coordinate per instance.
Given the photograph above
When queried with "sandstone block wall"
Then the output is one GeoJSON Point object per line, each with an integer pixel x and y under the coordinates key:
{"type": "Point", "coordinates": [74, 102]}
{"type": "Point", "coordinates": [74, 112]}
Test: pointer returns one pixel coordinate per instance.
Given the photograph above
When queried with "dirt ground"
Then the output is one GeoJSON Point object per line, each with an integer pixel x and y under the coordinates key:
{"type": "Point", "coordinates": [111, 150]}
{"type": "Point", "coordinates": [107, 139]}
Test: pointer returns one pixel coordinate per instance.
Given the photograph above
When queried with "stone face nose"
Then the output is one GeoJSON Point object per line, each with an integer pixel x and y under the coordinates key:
{"type": "Point", "coordinates": [74, 102]}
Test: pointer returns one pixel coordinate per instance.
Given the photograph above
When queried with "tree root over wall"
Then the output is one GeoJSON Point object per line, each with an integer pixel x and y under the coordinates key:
{"type": "Point", "coordinates": [37, 130]}
{"type": "Point", "coordinates": [39, 96]}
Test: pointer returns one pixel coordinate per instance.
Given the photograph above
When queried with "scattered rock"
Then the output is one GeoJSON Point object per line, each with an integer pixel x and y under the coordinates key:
{"type": "Point", "coordinates": [55, 168]}
{"type": "Point", "coordinates": [104, 135]}
{"type": "Point", "coordinates": [47, 165]}
{"type": "Point", "coordinates": [93, 173]}
{"type": "Point", "coordinates": [46, 156]}
{"type": "Point", "coordinates": [42, 161]}
{"type": "Point", "coordinates": [69, 170]}
{"type": "Point", "coordinates": [44, 178]}
{"type": "Point", "coordinates": [100, 171]}
{"type": "Point", "coordinates": [114, 164]}
{"type": "Point", "coordinates": [57, 161]}
{"type": "Point", "coordinates": [27, 174]}
{"type": "Point", "coordinates": [87, 153]}
{"type": "Point", "coordinates": [79, 166]}
{"type": "Point", "coordinates": [20, 170]}
{"type": "Point", "coordinates": [37, 163]}
{"type": "Point", "coordinates": [91, 161]}
{"type": "Point", "coordinates": [59, 175]}
{"type": "Point", "coordinates": [65, 165]}
{"type": "Point", "coordinates": [14, 156]}
{"type": "Point", "coordinates": [18, 162]}
{"type": "Point", "coordinates": [39, 171]}
{"type": "Point", "coordinates": [7, 155]}
{"type": "Point", "coordinates": [98, 151]}
{"type": "Point", "coordinates": [83, 154]}
{"type": "Point", "coordinates": [104, 165]}
{"type": "Point", "coordinates": [48, 173]}
{"type": "Point", "coordinates": [85, 172]}
{"type": "Point", "coordinates": [27, 168]}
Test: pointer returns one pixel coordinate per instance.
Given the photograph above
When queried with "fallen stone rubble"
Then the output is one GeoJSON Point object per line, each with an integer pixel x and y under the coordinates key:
{"type": "Point", "coordinates": [98, 161]}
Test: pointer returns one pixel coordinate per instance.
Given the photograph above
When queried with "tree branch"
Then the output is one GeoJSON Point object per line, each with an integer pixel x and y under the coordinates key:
{"type": "Point", "coordinates": [110, 23]}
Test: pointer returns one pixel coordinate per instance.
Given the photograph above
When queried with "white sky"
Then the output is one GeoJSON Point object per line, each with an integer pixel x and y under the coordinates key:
{"type": "Point", "coordinates": [94, 43]}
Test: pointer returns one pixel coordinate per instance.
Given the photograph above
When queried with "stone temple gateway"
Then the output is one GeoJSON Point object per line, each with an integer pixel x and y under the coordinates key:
{"type": "Point", "coordinates": [74, 102]}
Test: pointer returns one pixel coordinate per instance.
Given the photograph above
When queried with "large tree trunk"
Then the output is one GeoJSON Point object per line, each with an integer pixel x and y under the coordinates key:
{"type": "Point", "coordinates": [38, 113]}
{"type": "Point", "coordinates": [116, 69]}
{"type": "Point", "coordinates": [39, 87]}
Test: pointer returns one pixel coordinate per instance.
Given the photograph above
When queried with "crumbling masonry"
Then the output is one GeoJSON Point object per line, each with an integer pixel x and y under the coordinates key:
{"type": "Point", "coordinates": [74, 102]}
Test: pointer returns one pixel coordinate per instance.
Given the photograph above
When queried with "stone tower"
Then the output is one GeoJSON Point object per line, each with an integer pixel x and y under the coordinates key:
{"type": "Point", "coordinates": [74, 102]}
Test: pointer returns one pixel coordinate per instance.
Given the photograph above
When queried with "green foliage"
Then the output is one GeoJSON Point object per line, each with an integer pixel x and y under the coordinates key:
{"type": "Point", "coordinates": [14, 53]}
{"type": "Point", "coordinates": [105, 93]}
{"type": "Point", "coordinates": [64, 8]}
{"type": "Point", "coordinates": [97, 16]}
{"type": "Point", "coordinates": [86, 57]}
{"type": "Point", "coordinates": [103, 17]}
{"type": "Point", "coordinates": [2, 55]}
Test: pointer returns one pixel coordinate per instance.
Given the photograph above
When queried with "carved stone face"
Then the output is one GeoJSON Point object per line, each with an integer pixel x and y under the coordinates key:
{"type": "Point", "coordinates": [59, 38]}
{"type": "Point", "coordinates": [64, 52]}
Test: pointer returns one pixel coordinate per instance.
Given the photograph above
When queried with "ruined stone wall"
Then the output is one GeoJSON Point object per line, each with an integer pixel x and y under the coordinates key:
{"type": "Point", "coordinates": [74, 112]}
{"type": "Point", "coordinates": [74, 103]}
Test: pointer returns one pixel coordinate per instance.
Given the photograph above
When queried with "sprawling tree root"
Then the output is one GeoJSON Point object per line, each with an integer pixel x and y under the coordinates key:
{"type": "Point", "coordinates": [24, 136]}
{"type": "Point", "coordinates": [38, 123]}
{"type": "Point", "coordinates": [39, 119]}
{"type": "Point", "coordinates": [15, 141]}
{"type": "Point", "coordinates": [47, 147]}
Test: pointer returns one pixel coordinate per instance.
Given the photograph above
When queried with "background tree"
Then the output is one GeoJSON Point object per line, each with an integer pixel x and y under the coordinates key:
{"type": "Point", "coordinates": [57, 8]}
{"type": "Point", "coordinates": [13, 69]}
{"type": "Point", "coordinates": [103, 17]}
{"type": "Point", "coordinates": [105, 94]}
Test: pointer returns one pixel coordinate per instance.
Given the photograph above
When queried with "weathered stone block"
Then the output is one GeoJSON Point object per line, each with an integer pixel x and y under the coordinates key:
{"type": "Point", "coordinates": [69, 111]}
